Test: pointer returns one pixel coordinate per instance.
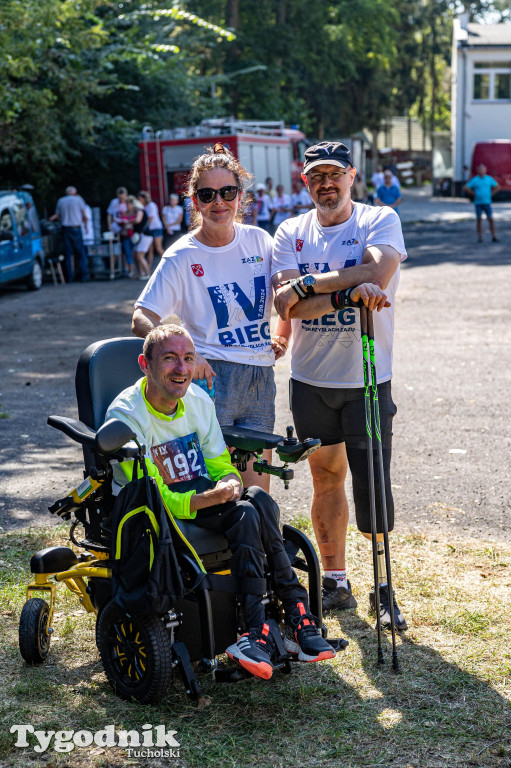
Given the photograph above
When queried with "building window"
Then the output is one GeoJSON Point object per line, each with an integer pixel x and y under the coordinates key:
{"type": "Point", "coordinates": [492, 80]}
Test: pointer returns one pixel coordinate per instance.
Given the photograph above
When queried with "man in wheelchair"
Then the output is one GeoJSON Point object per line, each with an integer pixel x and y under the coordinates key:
{"type": "Point", "coordinates": [187, 456]}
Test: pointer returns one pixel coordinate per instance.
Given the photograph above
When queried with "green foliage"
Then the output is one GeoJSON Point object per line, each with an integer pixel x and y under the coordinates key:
{"type": "Point", "coordinates": [80, 78]}
{"type": "Point", "coordinates": [327, 64]}
{"type": "Point", "coordinates": [47, 76]}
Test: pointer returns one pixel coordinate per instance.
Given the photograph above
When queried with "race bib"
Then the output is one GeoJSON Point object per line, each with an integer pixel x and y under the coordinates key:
{"type": "Point", "coordinates": [179, 459]}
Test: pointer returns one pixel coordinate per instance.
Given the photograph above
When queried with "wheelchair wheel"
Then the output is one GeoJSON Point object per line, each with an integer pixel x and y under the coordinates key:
{"type": "Point", "coordinates": [34, 642]}
{"type": "Point", "coordinates": [136, 654]}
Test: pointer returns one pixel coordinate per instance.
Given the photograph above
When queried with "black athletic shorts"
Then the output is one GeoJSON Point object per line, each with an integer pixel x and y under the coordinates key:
{"type": "Point", "coordinates": [338, 416]}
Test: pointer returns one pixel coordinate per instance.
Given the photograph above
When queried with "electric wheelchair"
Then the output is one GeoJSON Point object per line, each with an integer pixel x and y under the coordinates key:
{"type": "Point", "coordinates": [140, 654]}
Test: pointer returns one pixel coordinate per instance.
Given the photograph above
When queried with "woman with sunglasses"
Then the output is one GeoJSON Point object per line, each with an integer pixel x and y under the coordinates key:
{"type": "Point", "coordinates": [216, 279]}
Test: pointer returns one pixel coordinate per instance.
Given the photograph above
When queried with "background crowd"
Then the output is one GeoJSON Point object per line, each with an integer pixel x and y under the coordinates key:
{"type": "Point", "coordinates": [144, 231]}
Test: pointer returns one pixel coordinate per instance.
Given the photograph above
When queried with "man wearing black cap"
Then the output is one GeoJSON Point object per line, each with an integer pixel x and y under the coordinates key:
{"type": "Point", "coordinates": [335, 246]}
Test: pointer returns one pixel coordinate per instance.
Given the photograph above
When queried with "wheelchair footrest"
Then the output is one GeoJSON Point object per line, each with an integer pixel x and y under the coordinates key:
{"type": "Point", "coordinates": [235, 674]}
{"type": "Point", "coordinates": [53, 560]}
{"type": "Point", "coordinates": [337, 643]}
{"type": "Point", "coordinates": [230, 674]}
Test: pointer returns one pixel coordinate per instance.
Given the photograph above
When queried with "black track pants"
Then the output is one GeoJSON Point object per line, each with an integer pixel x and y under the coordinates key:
{"type": "Point", "coordinates": [252, 530]}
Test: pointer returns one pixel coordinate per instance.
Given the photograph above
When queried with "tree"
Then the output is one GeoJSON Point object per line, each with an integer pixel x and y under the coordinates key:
{"type": "Point", "coordinates": [46, 80]}
{"type": "Point", "coordinates": [78, 79]}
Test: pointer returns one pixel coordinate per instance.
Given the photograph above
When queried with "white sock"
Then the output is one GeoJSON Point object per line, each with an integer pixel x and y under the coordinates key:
{"type": "Point", "coordinates": [339, 576]}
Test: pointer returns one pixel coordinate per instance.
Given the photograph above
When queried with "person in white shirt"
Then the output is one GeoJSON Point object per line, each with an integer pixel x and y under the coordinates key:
{"type": "Point", "coordinates": [316, 257]}
{"type": "Point", "coordinates": [154, 227]}
{"type": "Point", "coordinates": [264, 207]}
{"type": "Point", "coordinates": [187, 457]}
{"type": "Point", "coordinates": [172, 216]}
{"type": "Point", "coordinates": [378, 178]}
{"type": "Point", "coordinates": [115, 214]}
{"type": "Point", "coordinates": [88, 227]}
{"type": "Point", "coordinates": [216, 279]}
{"type": "Point", "coordinates": [281, 206]}
{"type": "Point", "coordinates": [300, 199]}
{"type": "Point", "coordinates": [116, 208]}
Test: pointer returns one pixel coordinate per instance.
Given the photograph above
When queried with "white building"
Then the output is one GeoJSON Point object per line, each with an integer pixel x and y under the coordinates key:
{"type": "Point", "coordinates": [481, 89]}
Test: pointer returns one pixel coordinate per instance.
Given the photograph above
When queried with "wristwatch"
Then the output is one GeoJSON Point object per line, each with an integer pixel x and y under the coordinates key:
{"type": "Point", "coordinates": [302, 286]}
{"type": "Point", "coordinates": [308, 282]}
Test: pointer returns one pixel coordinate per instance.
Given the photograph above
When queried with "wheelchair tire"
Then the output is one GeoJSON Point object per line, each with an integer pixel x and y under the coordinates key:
{"type": "Point", "coordinates": [33, 640]}
{"type": "Point", "coordinates": [136, 653]}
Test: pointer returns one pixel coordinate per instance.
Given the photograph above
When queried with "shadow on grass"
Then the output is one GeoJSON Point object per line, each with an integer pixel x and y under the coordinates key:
{"type": "Point", "coordinates": [350, 712]}
{"type": "Point", "coordinates": [431, 713]}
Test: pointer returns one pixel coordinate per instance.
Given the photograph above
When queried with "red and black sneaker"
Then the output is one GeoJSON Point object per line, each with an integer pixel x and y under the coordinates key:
{"type": "Point", "coordinates": [304, 638]}
{"type": "Point", "coordinates": [253, 651]}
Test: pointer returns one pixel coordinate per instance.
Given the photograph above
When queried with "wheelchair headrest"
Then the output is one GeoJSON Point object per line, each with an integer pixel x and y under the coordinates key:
{"type": "Point", "coordinates": [104, 369]}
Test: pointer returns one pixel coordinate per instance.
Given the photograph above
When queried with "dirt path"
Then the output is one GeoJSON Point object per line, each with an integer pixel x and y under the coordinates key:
{"type": "Point", "coordinates": [452, 373]}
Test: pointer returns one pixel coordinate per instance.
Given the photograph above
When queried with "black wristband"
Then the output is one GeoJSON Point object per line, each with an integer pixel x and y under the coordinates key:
{"type": "Point", "coordinates": [342, 299]}
{"type": "Point", "coordinates": [297, 288]}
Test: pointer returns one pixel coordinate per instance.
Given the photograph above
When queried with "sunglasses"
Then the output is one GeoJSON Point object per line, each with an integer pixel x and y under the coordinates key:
{"type": "Point", "coordinates": [208, 194]}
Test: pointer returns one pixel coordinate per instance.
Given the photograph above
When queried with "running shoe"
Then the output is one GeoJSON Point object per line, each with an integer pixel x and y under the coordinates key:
{"type": "Point", "coordinates": [336, 598]}
{"type": "Point", "coordinates": [399, 619]}
{"type": "Point", "coordinates": [253, 651]}
{"type": "Point", "coordinates": [303, 638]}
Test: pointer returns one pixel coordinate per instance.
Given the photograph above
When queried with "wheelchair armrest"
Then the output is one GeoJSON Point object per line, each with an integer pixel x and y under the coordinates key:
{"type": "Point", "coordinates": [250, 439]}
{"type": "Point", "coordinates": [113, 438]}
{"type": "Point", "coordinates": [289, 449]}
{"type": "Point", "coordinates": [74, 429]}
{"type": "Point", "coordinates": [113, 435]}
{"type": "Point", "coordinates": [292, 453]}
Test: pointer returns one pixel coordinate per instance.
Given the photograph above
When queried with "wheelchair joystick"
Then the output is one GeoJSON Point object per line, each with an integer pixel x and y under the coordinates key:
{"type": "Point", "coordinates": [290, 439]}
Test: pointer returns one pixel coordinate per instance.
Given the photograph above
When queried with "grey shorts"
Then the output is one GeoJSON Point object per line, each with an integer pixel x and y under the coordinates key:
{"type": "Point", "coordinates": [244, 395]}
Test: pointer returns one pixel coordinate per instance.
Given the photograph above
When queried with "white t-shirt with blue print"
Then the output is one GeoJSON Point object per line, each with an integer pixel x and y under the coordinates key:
{"type": "Point", "coordinates": [222, 295]}
{"type": "Point", "coordinates": [327, 351]}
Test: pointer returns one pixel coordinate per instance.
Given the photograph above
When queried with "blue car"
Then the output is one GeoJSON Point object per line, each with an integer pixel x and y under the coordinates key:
{"type": "Point", "coordinates": [21, 248]}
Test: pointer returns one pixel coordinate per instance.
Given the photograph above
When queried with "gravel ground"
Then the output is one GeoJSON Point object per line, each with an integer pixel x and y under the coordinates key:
{"type": "Point", "coordinates": [452, 369]}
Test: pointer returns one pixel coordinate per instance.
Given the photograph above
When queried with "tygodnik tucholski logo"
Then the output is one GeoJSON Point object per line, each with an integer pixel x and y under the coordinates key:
{"type": "Point", "coordinates": [150, 741]}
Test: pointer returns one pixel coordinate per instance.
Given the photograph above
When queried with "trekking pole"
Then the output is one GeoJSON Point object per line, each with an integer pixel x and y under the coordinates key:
{"type": "Point", "coordinates": [370, 467]}
{"type": "Point", "coordinates": [377, 431]}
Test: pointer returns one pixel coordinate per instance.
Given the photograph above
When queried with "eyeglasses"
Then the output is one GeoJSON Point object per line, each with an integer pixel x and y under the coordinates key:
{"type": "Point", "coordinates": [317, 178]}
{"type": "Point", "coordinates": [208, 194]}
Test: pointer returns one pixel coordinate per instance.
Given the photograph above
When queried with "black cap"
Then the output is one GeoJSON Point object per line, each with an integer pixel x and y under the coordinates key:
{"type": "Point", "coordinates": [327, 153]}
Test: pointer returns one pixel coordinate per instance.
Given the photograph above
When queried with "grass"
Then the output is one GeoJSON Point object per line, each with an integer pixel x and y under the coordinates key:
{"type": "Point", "coordinates": [449, 706]}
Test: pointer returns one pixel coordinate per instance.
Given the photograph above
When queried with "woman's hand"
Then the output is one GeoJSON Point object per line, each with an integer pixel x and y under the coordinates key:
{"type": "Point", "coordinates": [203, 370]}
{"type": "Point", "coordinates": [279, 344]}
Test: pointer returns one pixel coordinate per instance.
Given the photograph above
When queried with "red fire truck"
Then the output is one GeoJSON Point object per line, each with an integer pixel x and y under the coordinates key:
{"type": "Point", "coordinates": [265, 149]}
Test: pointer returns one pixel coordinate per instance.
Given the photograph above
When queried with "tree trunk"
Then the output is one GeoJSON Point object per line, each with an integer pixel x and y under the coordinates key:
{"type": "Point", "coordinates": [232, 14]}
{"type": "Point", "coordinates": [233, 55]}
{"type": "Point", "coordinates": [281, 11]}
{"type": "Point", "coordinates": [433, 84]}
